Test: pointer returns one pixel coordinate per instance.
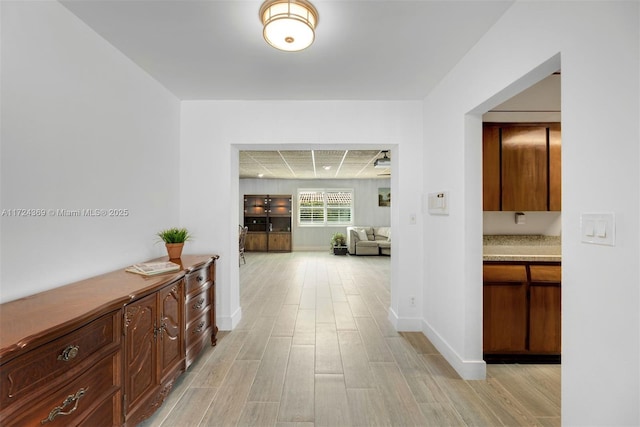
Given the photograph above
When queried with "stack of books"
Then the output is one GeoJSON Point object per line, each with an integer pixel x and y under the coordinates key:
{"type": "Point", "coordinates": [153, 268]}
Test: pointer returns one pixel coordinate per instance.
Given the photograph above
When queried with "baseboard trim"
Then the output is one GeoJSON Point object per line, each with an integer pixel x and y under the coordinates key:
{"type": "Point", "coordinates": [311, 248]}
{"type": "Point", "coordinates": [467, 369]}
{"type": "Point", "coordinates": [404, 324]}
{"type": "Point", "coordinates": [229, 323]}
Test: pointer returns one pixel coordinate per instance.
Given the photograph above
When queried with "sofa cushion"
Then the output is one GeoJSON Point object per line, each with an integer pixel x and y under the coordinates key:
{"type": "Point", "coordinates": [362, 234]}
{"type": "Point", "coordinates": [382, 233]}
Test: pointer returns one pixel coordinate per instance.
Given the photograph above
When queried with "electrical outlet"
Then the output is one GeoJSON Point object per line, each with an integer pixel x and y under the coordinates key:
{"type": "Point", "coordinates": [412, 301]}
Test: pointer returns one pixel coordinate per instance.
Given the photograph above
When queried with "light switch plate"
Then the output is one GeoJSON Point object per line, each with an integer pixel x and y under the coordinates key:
{"type": "Point", "coordinates": [598, 228]}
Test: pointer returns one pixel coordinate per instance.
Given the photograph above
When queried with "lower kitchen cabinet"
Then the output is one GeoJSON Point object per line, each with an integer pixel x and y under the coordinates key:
{"type": "Point", "coordinates": [545, 309]}
{"type": "Point", "coordinates": [521, 312]}
{"type": "Point", "coordinates": [505, 317]}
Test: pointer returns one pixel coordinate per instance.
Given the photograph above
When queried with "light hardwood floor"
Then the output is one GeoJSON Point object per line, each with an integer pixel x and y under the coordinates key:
{"type": "Point", "coordinates": [314, 348]}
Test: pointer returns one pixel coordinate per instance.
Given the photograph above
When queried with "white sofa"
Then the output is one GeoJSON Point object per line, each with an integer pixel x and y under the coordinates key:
{"type": "Point", "coordinates": [369, 240]}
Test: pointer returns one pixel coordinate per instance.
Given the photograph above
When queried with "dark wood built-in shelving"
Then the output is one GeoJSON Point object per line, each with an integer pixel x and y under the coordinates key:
{"type": "Point", "coordinates": [268, 218]}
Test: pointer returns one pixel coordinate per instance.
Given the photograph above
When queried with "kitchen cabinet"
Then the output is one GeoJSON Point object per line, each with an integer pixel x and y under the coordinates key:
{"type": "Point", "coordinates": [505, 308]}
{"type": "Point", "coordinates": [521, 311]}
{"type": "Point", "coordinates": [521, 167]}
{"type": "Point", "coordinates": [544, 309]}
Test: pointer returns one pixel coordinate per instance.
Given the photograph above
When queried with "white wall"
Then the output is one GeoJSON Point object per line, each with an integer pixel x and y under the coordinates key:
{"type": "Point", "coordinates": [598, 44]}
{"type": "Point", "coordinates": [365, 206]}
{"type": "Point", "coordinates": [544, 223]}
{"type": "Point", "coordinates": [82, 127]}
{"type": "Point", "coordinates": [214, 131]}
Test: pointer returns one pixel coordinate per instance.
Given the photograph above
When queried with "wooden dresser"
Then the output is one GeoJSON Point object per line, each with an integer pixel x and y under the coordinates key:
{"type": "Point", "coordinates": [104, 351]}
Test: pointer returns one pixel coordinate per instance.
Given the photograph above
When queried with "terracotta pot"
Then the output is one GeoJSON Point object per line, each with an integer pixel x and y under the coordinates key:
{"type": "Point", "coordinates": [174, 250]}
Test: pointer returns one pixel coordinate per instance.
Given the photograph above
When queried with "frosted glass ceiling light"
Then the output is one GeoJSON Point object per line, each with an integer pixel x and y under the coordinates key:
{"type": "Point", "coordinates": [289, 24]}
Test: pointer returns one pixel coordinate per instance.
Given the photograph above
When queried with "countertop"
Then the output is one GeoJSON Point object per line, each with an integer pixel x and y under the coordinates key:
{"type": "Point", "coordinates": [522, 248]}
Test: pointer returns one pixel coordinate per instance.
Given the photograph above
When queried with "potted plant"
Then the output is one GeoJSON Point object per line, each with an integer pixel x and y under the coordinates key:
{"type": "Point", "coordinates": [339, 244]}
{"type": "Point", "coordinates": [174, 239]}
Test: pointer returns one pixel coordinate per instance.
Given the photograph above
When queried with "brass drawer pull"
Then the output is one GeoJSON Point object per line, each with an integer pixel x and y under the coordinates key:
{"type": "Point", "coordinates": [199, 328]}
{"type": "Point", "coordinates": [69, 353]}
{"type": "Point", "coordinates": [198, 305]}
{"type": "Point", "coordinates": [200, 279]}
{"type": "Point", "coordinates": [68, 401]}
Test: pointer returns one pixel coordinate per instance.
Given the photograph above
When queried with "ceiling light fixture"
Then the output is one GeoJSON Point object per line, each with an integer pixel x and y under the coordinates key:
{"type": "Point", "coordinates": [289, 24]}
{"type": "Point", "coordinates": [382, 163]}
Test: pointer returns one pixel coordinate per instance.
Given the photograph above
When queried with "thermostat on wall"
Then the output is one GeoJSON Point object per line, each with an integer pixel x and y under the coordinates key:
{"type": "Point", "coordinates": [439, 203]}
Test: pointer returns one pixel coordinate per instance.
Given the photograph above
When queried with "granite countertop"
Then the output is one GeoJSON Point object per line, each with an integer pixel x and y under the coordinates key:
{"type": "Point", "coordinates": [522, 248]}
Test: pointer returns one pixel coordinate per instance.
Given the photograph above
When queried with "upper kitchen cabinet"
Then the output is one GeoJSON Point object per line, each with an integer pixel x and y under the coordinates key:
{"type": "Point", "coordinates": [521, 167]}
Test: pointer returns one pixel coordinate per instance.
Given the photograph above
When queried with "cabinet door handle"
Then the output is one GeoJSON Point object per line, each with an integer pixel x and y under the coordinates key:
{"type": "Point", "coordinates": [72, 398]}
{"type": "Point", "coordinates": [200, 279]}
{"type": "Point", "coordinates": [69, 353]}
{"type": "Point", "coordinates": [198, 304]}
{"type": "Point", "coordinates": [161, 330]}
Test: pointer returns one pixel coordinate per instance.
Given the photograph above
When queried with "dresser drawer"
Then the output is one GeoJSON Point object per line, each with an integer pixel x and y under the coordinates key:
{"type": "Point", "coordinates": [197, 279]}
{"type": "Point", "coordinates": [26, 374]}
{"type": "Point", "coordinates": [195, 348]}
{"type": "Point", "coordinates": [197, 328]}
{"type": "Point", "coordinates": [199, 333]}
{"type": "Point", "coordinates": [198, 303]}
{"type": "Point", "coordinates": [83, 401]}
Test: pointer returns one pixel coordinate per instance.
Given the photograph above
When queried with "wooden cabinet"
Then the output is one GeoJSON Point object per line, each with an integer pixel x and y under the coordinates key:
{"type": "Point", "coordinates": [200, 311]}
{"type": "Point", "coordinates": [104, 351]}
{"type": "Point", "coordinates": [268, 218]}
{"type": "Point", "coordinates": [73, 379]}
{"type": "Point", "coordinates": [505, 308]}
{"type": "Point", "coordinates": [521, 311]}
{"type": "Point", "coordinates": [279, 242]}
{"type": "Point", "coordinates": [521, 167]}
{"type": "Point", "coordinates": [154, 350]}
{"type": "Point", "coordinates": [491, 169]}
{"type": "Point", "coordinates": [545, 309]}
{"type": "Point", "coordinates": [256, 241]}
{"type": "Point", "coordinates": [555, 168]}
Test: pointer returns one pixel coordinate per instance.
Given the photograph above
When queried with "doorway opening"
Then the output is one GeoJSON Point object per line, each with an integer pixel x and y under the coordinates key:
{"type": "Point", "coordinates": [521, 171]}
{"type": "Point", "coordinates": [318, 238]}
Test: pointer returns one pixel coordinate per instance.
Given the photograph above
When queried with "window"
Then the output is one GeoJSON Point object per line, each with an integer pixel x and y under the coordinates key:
{"type": "Point", "coordinates": [325, 207]}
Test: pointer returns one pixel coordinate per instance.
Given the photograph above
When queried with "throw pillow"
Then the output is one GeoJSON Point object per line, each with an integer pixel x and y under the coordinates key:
{"type": "Point", "coordinates": [389, 236]}
{"type": "Point", "coordinates": [362, 234]}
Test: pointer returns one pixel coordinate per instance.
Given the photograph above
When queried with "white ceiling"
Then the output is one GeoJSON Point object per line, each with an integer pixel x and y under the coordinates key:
{"type": "Point", "coordinates": [312, 164]}
{"type": "Point", "coordinates": [364, 49]}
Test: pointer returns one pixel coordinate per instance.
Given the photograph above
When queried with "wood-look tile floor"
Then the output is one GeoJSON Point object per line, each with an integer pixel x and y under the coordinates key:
{"type": "Point", "coordinates": [314, 348]}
